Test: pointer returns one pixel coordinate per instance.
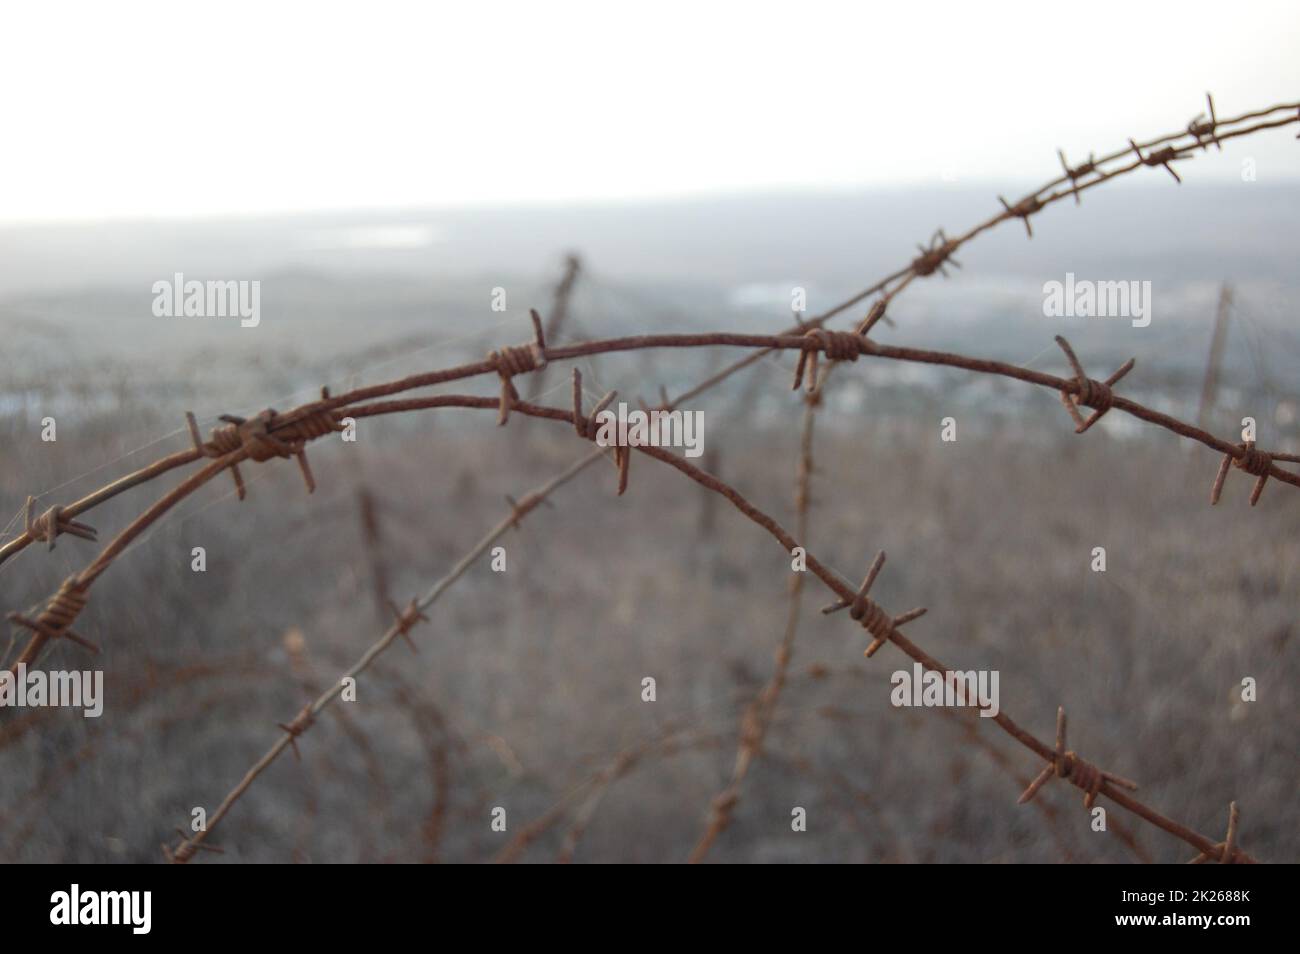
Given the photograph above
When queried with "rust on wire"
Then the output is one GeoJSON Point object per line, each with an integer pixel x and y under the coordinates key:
{"type": "Point", "coordinates": [52, 522]}
{"type": "Point", "coordinates": [1253, 461]}
{"type": "Point", "coordinates": [838, 345]}
{"type": "Point", "coordinates": [187, 848]}
{"type": "Point", "coordinates": [306, 715]}
{"type": "Point", "coordinates": [1077, 771]}
{"type": "Point", "coordinates": [522, 508]}
{"type": "Point", "coordinates": [933, 258]}
{"type": "Point", "coordinates": [1203, 129]}
{"type": "Point", "coordinates": [588, 429]}
{"type": "Point", "coordinates": [1225, 852]}
{"type": "Point", "coordinates": [55, 620]}
{"type": "Point", "coordinates": [869, 614]}
{"type": "Point", "coordinates": [1160, 157]}
{"type": "Point", "coordinates": [404, 620]}
{"type": "Point", "coordinates": [1025, 208]}
{"type": "Point", "coordinates": [521, 359]}
{"type": "Point", "coordinates": [874, 315]}
{"type": "Point", "coordinates": [1090, 393]}
{"type": "Point", "coordinates": [268, 435]}
{"type": "Point", "coordinates": [1075, 173]}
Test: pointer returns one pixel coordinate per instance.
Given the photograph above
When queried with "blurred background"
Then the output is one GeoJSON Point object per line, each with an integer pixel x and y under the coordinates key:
{"type": "Point", "coordinates": [381, 169]}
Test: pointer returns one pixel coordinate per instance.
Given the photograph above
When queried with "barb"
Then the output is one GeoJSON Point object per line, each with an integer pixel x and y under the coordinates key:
{"type": "Point", "coordinates": [266, 436]}
{"type": "Point", "coordinates": [1027, 207]}
{"type": "Point", "coordinates": [56, 619]}
{"type": "Point", "coordinates": [1161, 157]}
{"type": "Point", "coordinates": [869, 614]}
{"type": "Point", "coordinates": [588, 429]}
{"type": "Point", "coordinates": [509, 361]}
{"type": "Point", "coordinates": [53, 522]}
{"type": "Point", "coordinates": [1078, 772]}
{"type": "Point", "coordinates": [1075, 173]}
{"type": "Point", "coordinates": [1204, 130]}
{"type": "Point", "coordinates": [1255, 462]}
{"type": "Point", "coordinates": [1225, 850]}
{"type": "Point", "coordinates": [1089, 393]}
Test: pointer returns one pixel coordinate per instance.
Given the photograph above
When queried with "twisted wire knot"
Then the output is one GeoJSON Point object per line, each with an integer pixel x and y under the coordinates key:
{"type": "Point", "coordinates": [1024, 209]}
{"type": "Point", "coordinates": [1069, 765]}
{"type": "Point", "coordinates": [48, 525]}
{"type": "Point", "coordinates": [188, 847]}
{"type": "Point", "coordinates": [933, 259]}
{"type": "Point", "coordinates": [510, 360]}
{"type": "Point", "coordinates": [61, 610]}
{"type": "Point", "coordinates": [1089, 392]}
{"type": "Point", "coordinates": [182, 852]}
{"type": "Point", "coordinates": [1094, 394]}
{"type": "Point", "coordinates": [1161, 157]}
{"type": "Point", "coordinates": [1205, 129]}
{"type": "Point", "coordinates": [406, 619]}
{"type": "Point", "coordinates": [869, 614]}
{"type": "Point", "coordinates": [838, 345]}
{"type": "Point", "coordinates": [1075, 173]}
{"type": "Point", "coordinates": [1225, 851]}
{"type": "Point", "coordinates": [300, 724]}
{"type": "Point", "coordinates": [1257, 463]}
{"type": "Point", "coordinates": [1254, 461]}
{"type": "Point", "coordinates": [268, 435]}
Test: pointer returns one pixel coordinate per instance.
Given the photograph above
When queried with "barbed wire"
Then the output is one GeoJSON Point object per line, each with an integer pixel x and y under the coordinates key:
{"type": "Point", "coordinates": [271, 435]}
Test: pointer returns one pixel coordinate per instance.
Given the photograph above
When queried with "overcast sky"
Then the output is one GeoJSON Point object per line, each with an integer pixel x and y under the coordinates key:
{"type": "Point", "coordinates": [177, 109]}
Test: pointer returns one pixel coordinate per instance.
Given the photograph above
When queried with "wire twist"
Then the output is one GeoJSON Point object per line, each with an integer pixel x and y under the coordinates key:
{"type": "Point", "coordinates": [518, 359]}
{"type": "Point", "coordinates": [838, 345]}
{"type": "Point", "coordinates": [52, 522]}
{"type": "Point", "coordinates": [300, 724]}
{"type": "Point", "coordinates": [1074, 769]}
{"type": "Point", "coordinates": [1226, 849]}
{"type": "Point", "coordinates": [1074, 174]}
{"type": "Point", "coordinates": [1025, 208]}
{"type": "Point", "coordinates": [869, 614]}
{"type": "Point", "coordinates": [268, 435]}
{"type": "Point", "coordinates": [1253, 461]}
{"type": "Point", "coordinates": [1204, 129]}
{"type": "Point", "coordinates": [55, 619]}
{"type": "Point", "coordinates": [1161, 157]}
{"type": "Point", "coordinates": [933, 258]}
{"type": "Point", "coordinates": [1089, 392]}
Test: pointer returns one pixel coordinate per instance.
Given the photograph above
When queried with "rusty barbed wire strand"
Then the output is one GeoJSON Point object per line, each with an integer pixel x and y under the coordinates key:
{"type": "Point", "coordinates": [929, 261]}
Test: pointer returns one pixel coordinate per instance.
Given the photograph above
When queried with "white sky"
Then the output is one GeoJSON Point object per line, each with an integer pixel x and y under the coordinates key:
{"type": "Point", "coordinates": [116, 109]}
